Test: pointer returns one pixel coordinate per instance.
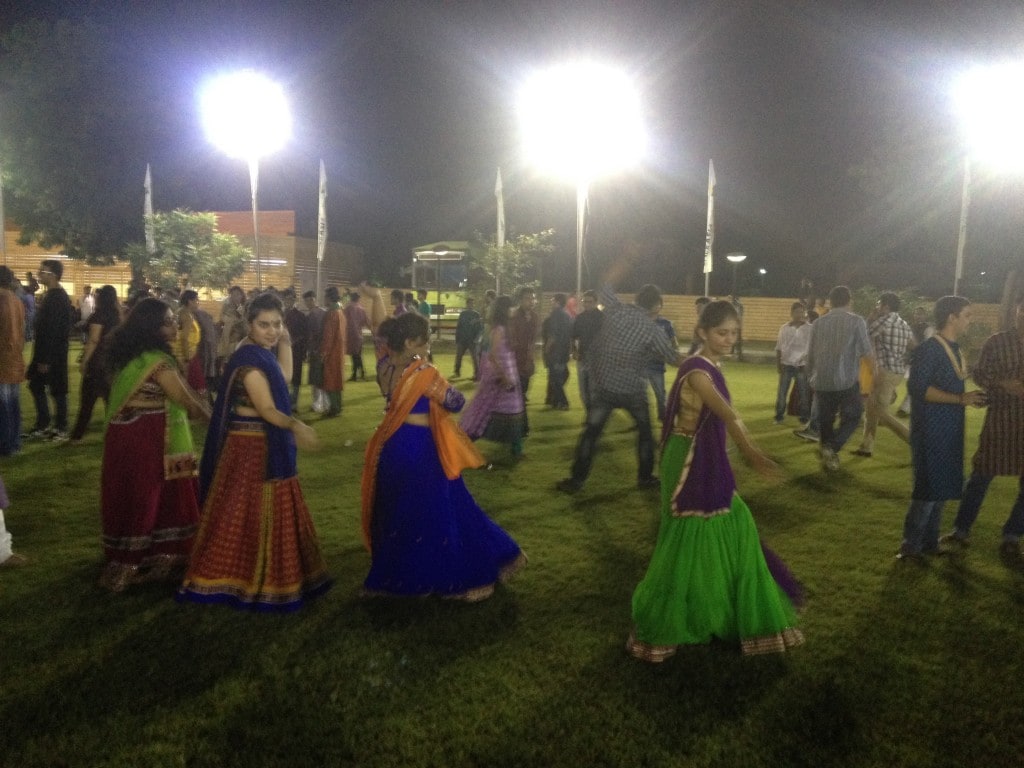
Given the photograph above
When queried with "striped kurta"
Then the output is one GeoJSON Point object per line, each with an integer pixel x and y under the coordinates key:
{"type": "Point", "coordinates": [1001, 445]}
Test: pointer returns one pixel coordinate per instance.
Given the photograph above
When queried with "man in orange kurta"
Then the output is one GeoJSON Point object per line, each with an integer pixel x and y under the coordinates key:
{"type": "Point", "coordinates": [332, 350]}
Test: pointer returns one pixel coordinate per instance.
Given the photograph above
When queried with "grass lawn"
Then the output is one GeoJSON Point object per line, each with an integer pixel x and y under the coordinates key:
{"type": "Point", "coordinates": [904, 665]}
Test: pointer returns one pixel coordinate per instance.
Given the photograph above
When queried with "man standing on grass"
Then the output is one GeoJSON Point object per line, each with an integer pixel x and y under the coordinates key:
{"type": "Point", "coordinates": [791, 361]}
{"type": "Point", "coordinates": [893, 338]}
{"type": "Point", "coordinates": [1000, 371]}
{"type": "Point", "coordinates": [585, 329]}
{"type": "Point", "coordinates": [12, 364]}
{"type": "Point", "coordinates": [522, 335]}
{"type": "Point", "coordinates": [556, 338]}
{"type": "Point", "coordinates": [356, 320]}
{"type": "Point", "coordinates": [523, 327]}
{"type": "Point", "coordinates": [467, 329]}
{"type": "Point", "coordinates": [332, 351]}
{"type": "Point", "coordinates": [49, 367]}
{"type": "Point", "coordinates": [628, 339]}
{"type": "Point", "coordinates": [298, 330]}
{"type": "Point", "coordinates": [315, 316]}
{"type": "Point", "coordinates": [936, 385]}
{"type": "Point", "coordinates": [838, 341]}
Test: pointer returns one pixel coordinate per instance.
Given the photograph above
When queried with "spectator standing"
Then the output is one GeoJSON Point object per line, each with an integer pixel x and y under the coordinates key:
{"type": "Point", "coordinates": [48, 369]}
{"type": "Point", "coordinates": [839, 340]}
{"type": "Point", "coordinates": [556, 336]}
{"type": "Point", "coordinates": [12, 365]}
{"type": "Point", "coordinates": [892, 338]}
{"type": "Point", "coordinates": [314, 340]}
{"type": "Point", "coordinates": [93, 365]}
{"type": "Point", "coordinates": [656, 366]}
{"type": "Point", "coordinates": [937, 375]}
{"type": "Point", "coordinates": [523, 327]}
{"type": "Point", "coordinates": [791, 361]}
{"type": "Point", "coordinates": [356, 320]}
{"type": "Point", "coordinates": [585, 328]}
{"type": "Point", "coordinates": [467, 330]}
{"type": "Point", "coordinates": [233, 327]}
{"type": "Point", "coordinates": [332, 349]}
{"type": "Point", "coordinates": [86, 306]}
{"type": "Point", "coordinates": [422, 305]}
{"type": "Point", "coordinates": [1000, 371]}
{"type": "Point", "coordinates": [298, 329]}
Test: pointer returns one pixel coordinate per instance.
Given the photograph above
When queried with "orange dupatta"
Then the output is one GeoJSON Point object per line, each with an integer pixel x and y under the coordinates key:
{"type": "Point", "coordinates": [454, 449]}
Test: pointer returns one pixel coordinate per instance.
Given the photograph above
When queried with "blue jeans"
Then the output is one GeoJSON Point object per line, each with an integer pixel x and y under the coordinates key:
{"type": "Point", "coordinates": [657, 380]}
{"type": "Point", "coordinates": [10, 419]}
{"type": "Point", "coordinates": [974, 494]}
{"type": "Point", "coordinates": [787, 376]}
{"type": "Point", "coordinates": [558, 374]}
{"type": "Point", "coordinates": [585, 380]}
{"type": "Point", "coordinates": [921, 527]}
{"type": "Point", "coordinates": [848, 404]}
{"type": "Point", "coordinates": [601, 406]}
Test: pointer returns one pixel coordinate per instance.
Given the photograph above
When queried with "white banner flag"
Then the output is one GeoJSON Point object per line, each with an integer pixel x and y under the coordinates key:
{"type": "Point", "coordinates": [499, 194]}
{"type": "Point", "coordinates": [321, 228]}
{"type": "Point", "coordinates": [147, 211]}
{"type": "Point", "coordinates": [709, 236]}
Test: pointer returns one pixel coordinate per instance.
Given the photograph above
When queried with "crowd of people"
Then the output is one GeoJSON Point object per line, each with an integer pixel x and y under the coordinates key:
{"type": "Point", "coordinates": [233, 526]}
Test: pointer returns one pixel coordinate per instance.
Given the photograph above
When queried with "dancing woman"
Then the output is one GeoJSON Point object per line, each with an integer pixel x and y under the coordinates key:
{"type": "Point", "coordinates": [709, 575]}
{"type": "Point", "coordinates": [424, 531]}
{"type": "Point", "coordinates": [256, 546]}
{"type": "Point", "coordinates": [498, 411]}
{"type": "Point", "coordinates": [149, 492]}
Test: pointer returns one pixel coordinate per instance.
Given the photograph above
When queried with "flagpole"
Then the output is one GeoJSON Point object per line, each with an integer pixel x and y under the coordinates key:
{"type": "Point", "coordinates": [582, 189]}
{"type": "Point", "coordinates": [965, 204]}
{"type": "Point", "coordinates": [321, 229]}
{"type": "Point", "coordinates": [709, 235]}
{"type": "Point", "coordinates": [499, 237]}
{"type": "Point", "coordinates": [3, 225]}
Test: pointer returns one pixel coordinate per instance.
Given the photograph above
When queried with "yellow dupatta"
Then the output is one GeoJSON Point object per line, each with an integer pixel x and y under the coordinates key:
{"type": "Point", "coordinates": [455, 450]}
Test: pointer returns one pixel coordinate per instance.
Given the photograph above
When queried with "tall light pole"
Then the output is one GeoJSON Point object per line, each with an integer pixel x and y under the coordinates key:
{"type": "Point", "coordinates": [735, 259]}
{"type": "Point", "coordinates": [246, 116]}
{"type": "Point", "coordinates": [992, 112]}
{"type": "Point", "coordinates": [581, 121]}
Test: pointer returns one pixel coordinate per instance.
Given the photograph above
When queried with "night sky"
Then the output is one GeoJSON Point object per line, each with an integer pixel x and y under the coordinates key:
{"type": "Point", "coordinates": [411, 106]}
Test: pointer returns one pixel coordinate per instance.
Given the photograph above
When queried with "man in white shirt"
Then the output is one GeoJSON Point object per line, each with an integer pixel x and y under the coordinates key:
{"type": "Point", "coordinates": [791, 359]}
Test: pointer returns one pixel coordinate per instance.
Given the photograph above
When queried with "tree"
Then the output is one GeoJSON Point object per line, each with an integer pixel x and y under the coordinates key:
{"type": "Point", "coordinates": [71, 131]}
{"type": "Point", "coordinates": [509, 265]}
{"type": "Point", "coordinates": [189, 249]}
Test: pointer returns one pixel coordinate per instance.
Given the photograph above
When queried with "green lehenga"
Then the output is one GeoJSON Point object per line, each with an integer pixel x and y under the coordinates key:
{"type": "Point", "coordinates": [708, 576]}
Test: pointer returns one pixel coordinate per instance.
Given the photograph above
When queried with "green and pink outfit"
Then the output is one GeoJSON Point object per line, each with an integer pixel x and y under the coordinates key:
{"type": "Point", "coordinates": [709, 576]}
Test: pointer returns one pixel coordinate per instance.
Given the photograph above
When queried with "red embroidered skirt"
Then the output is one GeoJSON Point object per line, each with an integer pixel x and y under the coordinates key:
{"type": "Point", "coordinates": [145, 517]}
{"type": "Point", "coordinates": [256, 546]}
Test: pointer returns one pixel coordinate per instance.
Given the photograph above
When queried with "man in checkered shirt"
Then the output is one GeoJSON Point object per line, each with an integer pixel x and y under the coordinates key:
{"type": "Point", "coordinates": [893, 339]}
{"type": "Point", "coordinates": [627, 341]}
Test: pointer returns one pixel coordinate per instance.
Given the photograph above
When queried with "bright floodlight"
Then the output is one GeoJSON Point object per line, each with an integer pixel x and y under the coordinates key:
{"type": "Point", "coordinates": [736, 258]}
{"type": "Point", "coordinates": [580, 121]}
{"type": "Point", "coordinates": [245, 114]}
{"type": "Point", "coordinates": [991, 104]}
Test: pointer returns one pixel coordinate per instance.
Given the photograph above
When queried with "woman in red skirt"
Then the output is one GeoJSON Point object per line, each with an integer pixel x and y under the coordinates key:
{"type": "Point", "coordinates": [149, 489]}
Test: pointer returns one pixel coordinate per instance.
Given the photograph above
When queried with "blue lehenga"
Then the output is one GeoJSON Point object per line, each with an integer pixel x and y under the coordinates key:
{"type": "Point", "coordinates": [427, 534]}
